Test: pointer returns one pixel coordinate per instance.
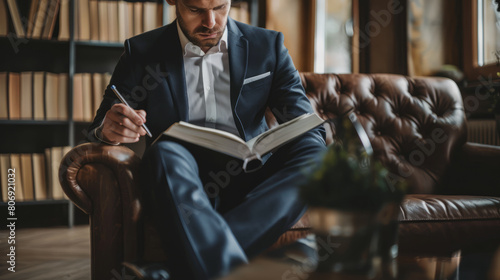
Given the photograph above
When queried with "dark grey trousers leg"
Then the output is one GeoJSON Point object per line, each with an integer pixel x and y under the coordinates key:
{"type": "Point", "coordinates": [197, 239]}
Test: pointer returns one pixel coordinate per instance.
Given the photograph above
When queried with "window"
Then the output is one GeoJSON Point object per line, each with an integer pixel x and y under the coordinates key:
{"type": "Point", "coordinates": [481, 39]}
{"type": "Point", "coordinates": [333, 36]}
{"type": "Point", "coordinates": [488, 39]}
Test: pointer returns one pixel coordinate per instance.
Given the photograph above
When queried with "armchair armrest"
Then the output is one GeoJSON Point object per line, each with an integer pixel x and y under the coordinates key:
{"type": "Point", "coordinates": [102, 181]}
{"type": "Point", "coordinates": [475, 170]}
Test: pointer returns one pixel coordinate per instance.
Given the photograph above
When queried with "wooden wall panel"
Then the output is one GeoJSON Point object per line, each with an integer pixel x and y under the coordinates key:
{"type": "Point", "coordinates": [294, 19]}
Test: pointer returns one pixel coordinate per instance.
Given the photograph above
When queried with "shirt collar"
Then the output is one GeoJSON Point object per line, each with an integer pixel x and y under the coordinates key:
{"type": "Point", "coordinates": [188, 46]}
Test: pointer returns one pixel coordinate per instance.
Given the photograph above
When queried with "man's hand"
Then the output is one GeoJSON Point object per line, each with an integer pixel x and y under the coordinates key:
{"type": "Point", "coordinates": [123, 124]}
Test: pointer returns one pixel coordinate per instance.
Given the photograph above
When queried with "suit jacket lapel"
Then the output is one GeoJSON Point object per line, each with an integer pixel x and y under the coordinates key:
{"type": "Point", "coordinates": [174, 66]}
{"type": "Point", "coordinates": [238, 60]}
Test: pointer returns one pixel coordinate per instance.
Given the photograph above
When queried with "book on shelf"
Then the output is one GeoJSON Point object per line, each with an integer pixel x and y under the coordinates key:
{"type": "Point", "coordinates": [51, 96]}
{"type": "Point", "coordinates": [50, 19]}
{"type": "Point", "coordinates": [31, 17]}
{"type": "Point", "coordinates": [97, 90]}
{"type": "Point", "coordinates": [87, 96]}
{"type": "Point", "coordinates": [138, 18]}
{"type": "Point", "coordinates": [4, 96]}
{"type": "Point", "coordinates": [123, 21]}
{"type": "Point", "coordinates": [150, 16]}
{"type": "Point", "coordinates": [16, 18]}
{"type": "Point", "coordinates": [88, 89]}
{"type": "Point", "coordinates": [26, 98]}
{"type": "Point", "coordinates": [129, 20]}
{"type": "Point", "coordinates": [62, 100]}
{"type": "Point", "coordinates": [26, 173]}
{"type": "Point", "coordinates": [103, 20]}
{"type": "Point", "coordinates": [112, 21]}
{"type": "Point", "coordinates": [38, 95]}
{"type": "Point", "coordinates": [250, 151]}
{"type": "Point", "coordinates": [82, 19]}
{"type": "Point", "coordinates": [4, 19]}
{"type": "Point", "coordinates": [94, 20]}
{"type": "Point", "coordinates": [15, 163]}
{"type": "Point", "coordinates": [78, 97]}
{"type": "Point", "coordinates": [39, 176]}
{"type": "Point", "coordinates": [53, 157]}
{"type": "Point", "coordinates": [4, 169]}
{"type": "Point", "coordinates": [42, 10]}
{"type": "Point", "coordinates": [14, 94]}
{"type": "Point", "coordinates": [64, 21]}
{"type": "Point", "coordinates": [64, 151]}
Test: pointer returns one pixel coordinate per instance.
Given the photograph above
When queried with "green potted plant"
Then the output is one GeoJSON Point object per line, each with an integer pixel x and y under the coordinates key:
{"type": "Point", "coordinates": [353, 207]}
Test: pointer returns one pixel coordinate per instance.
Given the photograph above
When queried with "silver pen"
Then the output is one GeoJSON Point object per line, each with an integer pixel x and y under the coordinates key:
{"type": "Point", "coordinates": [125, 102]}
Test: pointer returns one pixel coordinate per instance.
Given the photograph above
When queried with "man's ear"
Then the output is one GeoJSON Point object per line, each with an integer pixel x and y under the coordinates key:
{"type": "Point", "coordinates": [171, 2]}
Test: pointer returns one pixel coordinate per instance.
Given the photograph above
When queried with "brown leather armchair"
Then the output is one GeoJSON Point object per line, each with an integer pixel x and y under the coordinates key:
{"type": "Point", "coordinates": [417, 127]}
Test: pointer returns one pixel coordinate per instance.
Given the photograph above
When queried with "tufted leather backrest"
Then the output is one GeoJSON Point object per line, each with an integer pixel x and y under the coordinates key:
{"type": "Point", "coordinates": [414, 124]}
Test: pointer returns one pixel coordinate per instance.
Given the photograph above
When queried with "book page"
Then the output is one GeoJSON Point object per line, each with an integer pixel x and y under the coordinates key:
{"type": "Point", "coordinates": [210, 138]}
{"type": "Point", "coordinates": [283, 133]}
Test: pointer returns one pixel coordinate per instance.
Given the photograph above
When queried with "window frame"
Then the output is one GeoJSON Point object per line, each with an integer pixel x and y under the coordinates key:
{"type": "Point", "coordinates": [473, 71]}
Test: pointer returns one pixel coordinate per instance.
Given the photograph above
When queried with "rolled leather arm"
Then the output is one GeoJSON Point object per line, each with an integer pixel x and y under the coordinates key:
{"type": "Point", "coordinates": [475, 170]}
{"type": "Point", "coordinates": [120, 160]}
{"type": "Point", "coordinates": [480, 154]}
{"type": "Point", "coordinates": [102, 181]}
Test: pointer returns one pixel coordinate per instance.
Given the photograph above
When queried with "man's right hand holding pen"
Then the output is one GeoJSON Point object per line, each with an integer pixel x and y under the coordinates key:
{"type": "Point", "coordinates": [122, 124]}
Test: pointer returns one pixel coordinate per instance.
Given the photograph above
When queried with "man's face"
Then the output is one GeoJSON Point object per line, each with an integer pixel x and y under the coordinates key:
{"type": "Point", "coordinates": [202, 21]}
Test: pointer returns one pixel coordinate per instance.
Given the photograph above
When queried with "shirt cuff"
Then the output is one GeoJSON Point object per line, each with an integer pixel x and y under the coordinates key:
{"type": "Point", "coordinates": [98, 136]}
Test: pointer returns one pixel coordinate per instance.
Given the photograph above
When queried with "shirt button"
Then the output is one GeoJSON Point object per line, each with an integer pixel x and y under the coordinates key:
{"type": "Point", "coordinates": [207, 87]}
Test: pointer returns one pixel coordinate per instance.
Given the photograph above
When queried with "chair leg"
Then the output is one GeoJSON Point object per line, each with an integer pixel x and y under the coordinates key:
{"type": "Point", "coordinates": [448, 268]}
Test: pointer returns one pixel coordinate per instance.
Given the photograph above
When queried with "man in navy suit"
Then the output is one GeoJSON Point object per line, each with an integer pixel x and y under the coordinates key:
{"type": "Point", "coordinates": [209, 69]}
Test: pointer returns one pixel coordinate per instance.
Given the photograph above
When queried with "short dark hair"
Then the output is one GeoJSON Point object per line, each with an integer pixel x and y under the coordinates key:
{"type": "Point", "coordinates": [498, 5]}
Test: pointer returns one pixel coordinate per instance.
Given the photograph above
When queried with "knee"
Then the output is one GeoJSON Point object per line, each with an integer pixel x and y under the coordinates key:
{"type": "Point", "coordinates": [168, 153]}
{"type": "Point", "coordinates": [164, 149]}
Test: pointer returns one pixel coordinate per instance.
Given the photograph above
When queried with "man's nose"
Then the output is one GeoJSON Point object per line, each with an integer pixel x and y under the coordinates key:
{"type": "Point", "coordinates": [209, 19]}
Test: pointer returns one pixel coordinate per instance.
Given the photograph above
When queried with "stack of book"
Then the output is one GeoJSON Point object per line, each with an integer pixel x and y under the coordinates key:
{"type": "Point", "coordinates": [33, 96]}
{"type": "Point", "coordinates": [36, 175]}
{"type": "Point", "coordinates": [99, 20]}
{"type": "Point", "coordinates": [88, 89]}
{"type": "Point", "coordinates": [39, 23]}
{"type": "Point", "coordinates": [114, 21]}
{"type": "Point", "coordinates": [44, 95]}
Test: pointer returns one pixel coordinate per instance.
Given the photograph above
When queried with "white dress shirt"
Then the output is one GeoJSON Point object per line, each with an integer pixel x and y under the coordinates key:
{"type": "Point", "coordinates": [208, 84]}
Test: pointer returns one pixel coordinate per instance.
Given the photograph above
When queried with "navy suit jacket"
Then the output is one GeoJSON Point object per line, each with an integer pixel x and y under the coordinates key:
{"type": "Point", "coordinates": [150, 74]}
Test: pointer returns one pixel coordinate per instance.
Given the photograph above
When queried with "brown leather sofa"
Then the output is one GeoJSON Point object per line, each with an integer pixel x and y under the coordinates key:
{"type": "Point", "coordinates": [417, 127]}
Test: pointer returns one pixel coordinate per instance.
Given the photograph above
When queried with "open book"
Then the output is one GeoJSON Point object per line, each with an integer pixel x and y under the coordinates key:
{"type": "Point", "coordinates": [251, 151]}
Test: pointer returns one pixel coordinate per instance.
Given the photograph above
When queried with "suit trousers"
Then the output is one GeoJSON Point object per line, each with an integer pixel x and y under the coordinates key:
{"type": "Point", "coordinates": [210, 214]}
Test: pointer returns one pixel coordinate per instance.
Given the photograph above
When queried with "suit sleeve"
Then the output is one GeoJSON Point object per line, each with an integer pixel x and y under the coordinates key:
{"type": "Point", "coordinates": [125, 79]}
{"type": "Point", "coordinates": [288, 99]}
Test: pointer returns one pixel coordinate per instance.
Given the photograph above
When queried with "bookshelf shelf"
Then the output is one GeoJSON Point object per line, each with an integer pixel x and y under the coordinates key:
{"type": "Point", "coordinates": [25, 41]}
{"type": "Point", "coordinates": [32, 122]}
{"type": "Point", "coordinates": [99, 44]}
{"type": "Point", "coordinates": [37, 202]}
